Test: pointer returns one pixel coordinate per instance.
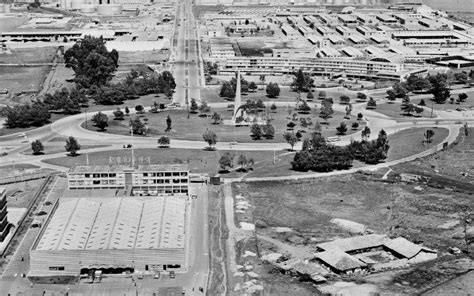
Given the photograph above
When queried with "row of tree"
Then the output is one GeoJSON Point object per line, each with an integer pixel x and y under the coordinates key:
{"type": "Point", "coordinates": [317, 155]}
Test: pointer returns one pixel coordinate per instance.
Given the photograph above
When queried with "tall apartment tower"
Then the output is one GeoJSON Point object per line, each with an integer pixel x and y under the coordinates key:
{"type": "Point", "coordinates": [4, 225]}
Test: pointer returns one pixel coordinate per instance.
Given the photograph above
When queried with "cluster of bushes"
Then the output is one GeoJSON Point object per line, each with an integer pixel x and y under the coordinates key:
{"type": "Point", "coordinates": [26, 115]}
{"type": "Point", "coordinates": [317, 155]}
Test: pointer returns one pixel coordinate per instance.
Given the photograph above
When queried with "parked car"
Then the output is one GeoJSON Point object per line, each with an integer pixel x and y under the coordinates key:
{"type": "Point", "coordinates": [172, 275]}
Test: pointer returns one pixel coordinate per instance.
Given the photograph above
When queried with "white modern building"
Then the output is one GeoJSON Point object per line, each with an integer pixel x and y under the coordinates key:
{"type": "Point", "coordinates": [166, 178]}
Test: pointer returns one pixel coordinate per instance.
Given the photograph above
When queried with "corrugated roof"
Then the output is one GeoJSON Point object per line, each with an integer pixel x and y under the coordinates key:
{"type": "Point", "coordinates": [339, 260]}
{"type": "Point", "coordinates": [403, 247]}
{"type": "Point", "coordinates": [354, 243]}
{"type": "Point", "coordinates": [116, 223]}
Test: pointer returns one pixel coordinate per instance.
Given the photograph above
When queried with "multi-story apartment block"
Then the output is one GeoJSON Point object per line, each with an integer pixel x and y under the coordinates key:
{"type": "Point", "coordinates": [169, 178]}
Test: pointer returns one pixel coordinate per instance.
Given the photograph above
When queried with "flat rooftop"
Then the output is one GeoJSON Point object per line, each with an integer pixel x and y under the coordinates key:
{"type": "Point", "coordinates": [128, 223]}
{"type": "Point", "coordinates": [121, 168]}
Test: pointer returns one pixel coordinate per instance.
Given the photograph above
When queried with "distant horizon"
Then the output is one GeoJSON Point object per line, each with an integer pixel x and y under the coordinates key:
{"type": "Point", "coordinates": [451, 5]}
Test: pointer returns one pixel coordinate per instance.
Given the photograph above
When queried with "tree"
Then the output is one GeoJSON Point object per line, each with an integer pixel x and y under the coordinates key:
{"type": "Point", "coordinates": [415, 82]}
{"type": "Point", "coordinates": [242, 161]}
{"type": "Point", "coordinates": [462, 97]}
{"type": "Point", "coordinates": [291, 139]}
{"type": "Point", "coordinates": [252, 86]}
{"type": "Point", "coordinates": [310, 96]}
{"type": "Point", "coordinates": [92, 63]}
{"type": "Point", "coordinates": [344, 99]}
{"type": "Point", "coordinates": [163, 142]}
{"type": "Point", "coordinates": [407, 107]}
{"type": "Point", "coordinates": [317, 127]}
{"type": "Point", "coordinates": [360, 116]}
{"type": "Point", "coordinates": [273, 90]}
{"type": "Point", "coordinates": [100, 120]}
{"type": "Point", "coordinates": [216, 118]}
{"type": "Point", "coordinates": [361, 96]}
{"type": "Point", "coordinates": [168, 123]}
{"type": "Point", "coordinates": [273, 107]}
{"type": "Point", "coordinates": [194, 106]}
{"type": "Point", "coordinates": [301, 82]}
{"type": "Point", "coordinates": [139, 109]}
{"type": "Point", "coordinates": [342, 128]}
{"type": "Point", "coordinates": [325, 113]}
{"type": "Point", "coordinates": [322, 95]}
{"type": "Point", "coordinates": [429, 134]}
{"type": "Point", "coordinates": [304, 108]}
{"type": "Point", "coordinates": [391, 95]}
{"type": "Point", "coordinates": [226, 160]}
{"type": "Point", "coordinates": [399, 90]}
{"type": "Point", "coordinates": [227, 90]}
{"type": "Point", "coordinates": [137, 126]}
{"type": "Point", "coordinates": [440, 88]}
{"type": "Point", "coordinates": [348, 110]}
{"type": "Point", "coordinates": [461, 77]}
{"type": "Point", "coordinates": [72, 146]}
{"type": "Point", "coordinates": [118, 114]}
{"type": "Point", "coordinates": [210, 138]}
{"type": "Point", "coordinates": [371, 104]}
{"type": "Point", "coordinates": [204, 108]}
{"type": "Point", "coordinates": [26, 115]}
{"type": "Point", "coordinates": [256, 131]}
{"type": "Point", "coordinates": [37, 147]}
{"type": "Point", "coordinates": [127, 111]}
{"type": "Point", "coordinates": [268, 131]}
{"type": "Point", "coordinates": [422, 103]}
{"type": "Point", "coordinates": [365, 134]}
{"type": "Point", "coordinates": [290, 125]}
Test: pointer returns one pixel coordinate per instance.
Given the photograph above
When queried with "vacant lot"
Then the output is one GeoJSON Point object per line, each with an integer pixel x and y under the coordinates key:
{"type": "Point", "coordinates": [395, 209]}
{"type": "Point", "coordinates": [18, 79]}
{"type": "Point", "coordinates": [455, 163]}
{"type": "Point", "coordinates": [29, 55]}
{"type": "Point", "coordinates": [195, 126]}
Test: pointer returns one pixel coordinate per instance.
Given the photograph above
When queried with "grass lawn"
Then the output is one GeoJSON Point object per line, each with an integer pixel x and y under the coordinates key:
{"type": "Point", "coordinates": [200, 161]}
{"type": "Point", "coordinates": [145, 101]}
{"type": "Point", "coordinates": [393, 110]}
{"type": "Point", "coordinates": [29, 55]}
{"type": "Point", "coordinates": [193, 128]}
{"type": "Point", "coordinates": [148, 56]}
{"type": "Point", "coordinates": [399, 148]}
{"type": "Point", "coordinates": [211, 94]}
{"type": "Point", "coordinates": [409, 141]}
{"type": "Point", "coordinates": [52, 149]}
{"type": "Point", "coordinates": [17, 79]}
{"type": "Point", "coordinates": [448, 106]}
{"type": "Point", "coordinates": [20, 194]}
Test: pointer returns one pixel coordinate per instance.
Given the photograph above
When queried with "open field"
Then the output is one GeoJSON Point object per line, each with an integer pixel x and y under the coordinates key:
{"type": "Point", "coordinates": [29, 55]}
{"type": "Point", "coordinates": [145, 57]}
{"type": "Point", "coordinates": [19, 194]}
{"type": "Point", "coordinates": [18, 79]}
{"type": "Point", "coordinates": [195, 126]}
{"type": "Point", "coordinates": [395, 209]}
{"type": "Point", "coordinates": [199, 160]}
{"type": "Point", "coordinates": [454, 163]}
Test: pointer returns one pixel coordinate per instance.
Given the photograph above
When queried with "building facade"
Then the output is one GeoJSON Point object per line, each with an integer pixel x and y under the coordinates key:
{"type": "Point", "coordinates": [143, 179]}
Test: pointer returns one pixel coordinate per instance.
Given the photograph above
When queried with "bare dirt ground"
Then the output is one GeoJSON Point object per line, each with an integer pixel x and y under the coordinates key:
{"type": "Point", "coordinates": [426, 210]}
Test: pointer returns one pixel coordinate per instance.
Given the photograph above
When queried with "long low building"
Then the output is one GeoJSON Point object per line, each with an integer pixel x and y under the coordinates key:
{"type": "Point", "coordinates": [111, 234]}
{"type": "Point", "coordinates": [363, 68]}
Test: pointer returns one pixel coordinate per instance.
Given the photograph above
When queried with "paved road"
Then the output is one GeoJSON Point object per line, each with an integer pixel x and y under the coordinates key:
{"type": "Point", "coordinates": [186, 62]}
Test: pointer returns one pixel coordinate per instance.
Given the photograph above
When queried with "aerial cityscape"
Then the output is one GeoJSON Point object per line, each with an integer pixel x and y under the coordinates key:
{"type": "Point", "coordinates": [237, 147]}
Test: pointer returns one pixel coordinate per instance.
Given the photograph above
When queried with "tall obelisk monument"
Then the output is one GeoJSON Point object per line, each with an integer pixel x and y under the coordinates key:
{"type": "Point", "coordinates": [238, 97]}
